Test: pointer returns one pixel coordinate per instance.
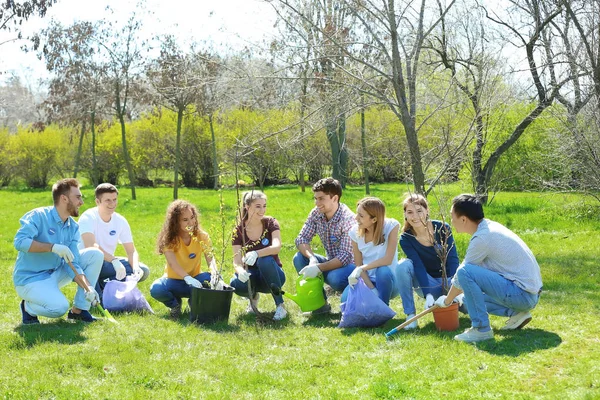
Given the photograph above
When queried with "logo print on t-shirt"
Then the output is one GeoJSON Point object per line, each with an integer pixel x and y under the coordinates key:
{"type": "Point", "coordinates": [192, 255]}
{"type": "Point", "coordinates": [51, 231]}
{"type": "Point", "coordinates": [265, 241]}
{"type": "Point", "coordinates": [112, 233]}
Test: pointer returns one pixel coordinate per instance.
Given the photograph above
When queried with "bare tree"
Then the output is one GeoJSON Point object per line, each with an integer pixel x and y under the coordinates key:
{"type": "Point", "coordinates": [77, 94]}
{"type": "Point", "coordinates": [121, 49]}
{"type": "Point", "coordinates": [396, 30]}
{"type": "Point", "coordinates": [177, 78]}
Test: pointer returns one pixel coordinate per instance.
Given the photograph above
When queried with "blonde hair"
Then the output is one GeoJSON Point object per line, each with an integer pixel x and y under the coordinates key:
{"type": "Point", "coordinates": [375, 208]}
{"type": "Point", "coordinates": [413, 199]}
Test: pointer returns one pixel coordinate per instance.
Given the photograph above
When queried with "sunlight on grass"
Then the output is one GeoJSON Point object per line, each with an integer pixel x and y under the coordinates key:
{"type": "Point", "coordinates": [150, 356]}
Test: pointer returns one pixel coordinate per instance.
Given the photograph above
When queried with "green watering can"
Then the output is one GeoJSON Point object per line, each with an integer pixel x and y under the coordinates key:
{"type": "Point", "coordinates": [309, 293]}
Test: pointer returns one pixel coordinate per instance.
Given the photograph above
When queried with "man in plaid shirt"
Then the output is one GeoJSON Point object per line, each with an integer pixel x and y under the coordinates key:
{"type": "Point", "coordinates": [332, 221]}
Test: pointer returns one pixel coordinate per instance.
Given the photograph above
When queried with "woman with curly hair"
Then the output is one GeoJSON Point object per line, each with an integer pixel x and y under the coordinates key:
{"type": "Point", "coordinates": [183, 242]}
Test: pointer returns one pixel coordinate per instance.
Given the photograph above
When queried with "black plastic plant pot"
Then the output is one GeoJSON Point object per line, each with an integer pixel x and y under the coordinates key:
{"type": "Point", "coordinates": [208, 305]}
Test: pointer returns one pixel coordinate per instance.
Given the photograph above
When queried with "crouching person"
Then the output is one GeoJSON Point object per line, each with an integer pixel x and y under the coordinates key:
{"type": "Point", "coordinates": [499, 274]}
{"type": "Point", "coordinates": [183, 243]}
{"type": "Point", "coordinates": [47, 241]}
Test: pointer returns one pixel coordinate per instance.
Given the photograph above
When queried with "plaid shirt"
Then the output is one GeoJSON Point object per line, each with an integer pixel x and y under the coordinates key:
{"type": "Point", "coordinates": [333, 233]}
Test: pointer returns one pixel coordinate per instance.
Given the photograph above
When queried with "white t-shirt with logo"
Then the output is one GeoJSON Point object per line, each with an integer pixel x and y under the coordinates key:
{"type": "Point", "coordinates": [108, 234]}
{"type": "Point", "coordinates": [369, 251]}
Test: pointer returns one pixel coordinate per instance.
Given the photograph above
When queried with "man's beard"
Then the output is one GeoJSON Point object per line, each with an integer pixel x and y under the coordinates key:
{"type": "Point", "coordinates": [73, 211]}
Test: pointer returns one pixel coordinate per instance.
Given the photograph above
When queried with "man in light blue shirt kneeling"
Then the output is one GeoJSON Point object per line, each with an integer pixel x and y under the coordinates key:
{"type": "Point", "coordinates": [47, 241]}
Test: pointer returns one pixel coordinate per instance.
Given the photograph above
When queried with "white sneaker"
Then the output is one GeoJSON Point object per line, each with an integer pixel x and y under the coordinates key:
{"type": "Point", "coordinates": [517, 321]}
{"type": "Point", "coordinates": [412, 325]}
{"type": "Point", "coordinates": [252, 301]}
{"type": "Point", "coordinates": [280, 313]}
{"type": "Point", "coordinates": [472, 335]}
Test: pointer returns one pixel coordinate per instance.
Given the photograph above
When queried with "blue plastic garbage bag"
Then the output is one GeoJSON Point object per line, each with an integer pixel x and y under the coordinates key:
{"type": "Point", "coordinates": [124, 296]}
{"type": "Point", "coordinates": [363, 308]}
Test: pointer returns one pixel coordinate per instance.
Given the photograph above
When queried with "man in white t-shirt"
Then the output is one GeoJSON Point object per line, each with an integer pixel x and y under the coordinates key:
{"type": "Point", "coordinates": [104, 228]}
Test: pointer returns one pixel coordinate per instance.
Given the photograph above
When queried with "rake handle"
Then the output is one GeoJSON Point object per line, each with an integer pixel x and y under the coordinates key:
{"type": "Point", "coordinates": [411, 320]}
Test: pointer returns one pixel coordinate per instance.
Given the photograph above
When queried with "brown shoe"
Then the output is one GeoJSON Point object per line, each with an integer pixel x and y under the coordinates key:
{"type": "Point", "coordinates": [175, 312]}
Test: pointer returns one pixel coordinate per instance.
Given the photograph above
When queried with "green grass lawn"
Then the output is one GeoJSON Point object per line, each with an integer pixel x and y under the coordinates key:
{"type": "Point", "coordinates": [557, 356]}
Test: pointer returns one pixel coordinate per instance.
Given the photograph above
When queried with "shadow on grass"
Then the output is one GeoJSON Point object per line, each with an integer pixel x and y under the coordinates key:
{"type": "Point", "coordinates": [328, 320]}
{"type": "Point", "coordinates": [266, 321]}
{"type": "Point", "coordinates": [515, 343]}
{"type": "Point", "coordinates": [184, 320]}
{"type": "Point", "coordinates": [57, 331]}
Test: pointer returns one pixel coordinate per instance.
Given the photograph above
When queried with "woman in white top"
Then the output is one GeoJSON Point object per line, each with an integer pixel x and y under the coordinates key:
{"type": "Point", "coordinates": [375, 246]}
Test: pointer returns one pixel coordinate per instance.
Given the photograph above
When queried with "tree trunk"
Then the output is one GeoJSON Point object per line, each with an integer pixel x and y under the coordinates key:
{"type": "Point", "coordinates": [214, 152]}
{"type": "Point", "coordinates": [79, 148]}
{"type": "Point", "coordinates": [94, 161]}
{"type": "Point", "coordinates": [177, 152]}
{"type": "Point", "coordinates": [336, 135]}
{"type": "Point", "coordinates": [363, 141]}
{"type": "Point", "coordinates": [302, 180]}
{"type": "Point", "coordinates": [484, 176]}
{"type": "Point", "coordinates": [121, 116]}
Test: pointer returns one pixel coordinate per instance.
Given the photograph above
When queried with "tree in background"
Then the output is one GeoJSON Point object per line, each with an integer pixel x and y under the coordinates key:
{"type": "Point", "coordinates": [77, 90]}
{"type": "Point", "coordinates": [177, 78]}
{"type": "Point", "coordinates": [14, 13]}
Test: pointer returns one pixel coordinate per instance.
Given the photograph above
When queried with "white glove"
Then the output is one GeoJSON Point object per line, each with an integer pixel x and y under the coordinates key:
{"type": "Point", "coordinates": [459, 299]}
{"type": "Point", "coordinates": [353, 277]}
{"type": "Point", "coordinates": [440, 302]}
{"type": "Point", "coordinates": [310, 271]}
{"type": "Point", "coordinates": [63, 251]}
{"type": "Point", "coordinates": [92, 296]}
{"type": "Point", "coordinates": [243, 276]}
{"type": "Point", "coordinates": [313, 260]}
{"type": "Point", "coordinates": [119, 269]}
{"type": "Point", "coordinates": [193, 282]}
{"type": "Point", "coordinates": [250, 258]}
{"type": "Point", "coordinates": [429, 301]}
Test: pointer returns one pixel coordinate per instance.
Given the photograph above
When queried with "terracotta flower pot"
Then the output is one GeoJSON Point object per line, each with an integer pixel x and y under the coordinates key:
{"type": "Point", "coordinates": [446, 319]}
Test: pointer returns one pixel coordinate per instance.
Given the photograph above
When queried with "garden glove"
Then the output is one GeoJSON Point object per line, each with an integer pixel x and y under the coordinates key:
{"type": "Point", "coordinates": [92, 296]}
{"type": "Point", "coordinates": [353, 277]}
{"type": "Point", "coordinates": [63, 251]}
{"type": "Point", "coordinates": [119, 269]}
{"type": "Point", "coordinates": [313, 260]}
{"type": "Point", "coordinates": [310, 271]}
{"type": "Point", "coordinates": [429, 301]}
{"type": "Point", "coordinates": [250, 258]}
{"type": "Point", "coordinates": [459, 299]}
{"type": "Point", "coordinates": [243, 276]}
{"type": "Point", "coordinates": [440, 302]}
{"type": "Point", "coordinates": [193, 282]}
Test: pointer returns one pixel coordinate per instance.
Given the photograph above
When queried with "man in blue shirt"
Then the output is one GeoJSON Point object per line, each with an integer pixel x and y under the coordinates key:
{"type": "Point", "coordinates": [47, 240]}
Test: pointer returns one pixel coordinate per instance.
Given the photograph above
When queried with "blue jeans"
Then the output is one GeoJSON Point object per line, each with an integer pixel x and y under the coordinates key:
{"type": "Point", "coordinates": [385, 282]}
{"type": "Point", "coordinates": [108, 273]}
{"type": "Point", "coordinates": [488, 292]}
{"type": "Point", "coordinates": [44, 297]}
{"type": "Point", "coordinates": [336, 278]}
{"type": "Point", "coordinates": [263, 274]}
{"type": "Point", "coordinates": [407, 280]}
{"type": "Point", "coordinates": [170, 291]}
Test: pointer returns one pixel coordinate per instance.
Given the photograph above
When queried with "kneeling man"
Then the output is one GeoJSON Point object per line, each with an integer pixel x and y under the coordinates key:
{"type": "Point", "coordinates": [499, 274]}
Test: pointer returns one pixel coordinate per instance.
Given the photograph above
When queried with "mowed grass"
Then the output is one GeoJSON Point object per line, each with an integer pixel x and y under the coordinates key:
{"type": "Point", "coordinates": [557, 356]}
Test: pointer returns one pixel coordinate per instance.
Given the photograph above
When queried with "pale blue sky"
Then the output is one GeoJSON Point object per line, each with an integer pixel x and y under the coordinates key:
{"type": "Point", "coordinates": [235, 22]}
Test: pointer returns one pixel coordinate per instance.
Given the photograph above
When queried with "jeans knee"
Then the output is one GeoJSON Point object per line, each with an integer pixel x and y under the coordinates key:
{"type": "Point", "coordinates": [265, 262]}
{"type": "Point", "coordinates": [383, 274]}
{"type": "Point", "coordinates": [299, 261]}
{"type": "Point", "coordinates": [57, 309]}
{"type": "Point", "coordinates": [157, 289]}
